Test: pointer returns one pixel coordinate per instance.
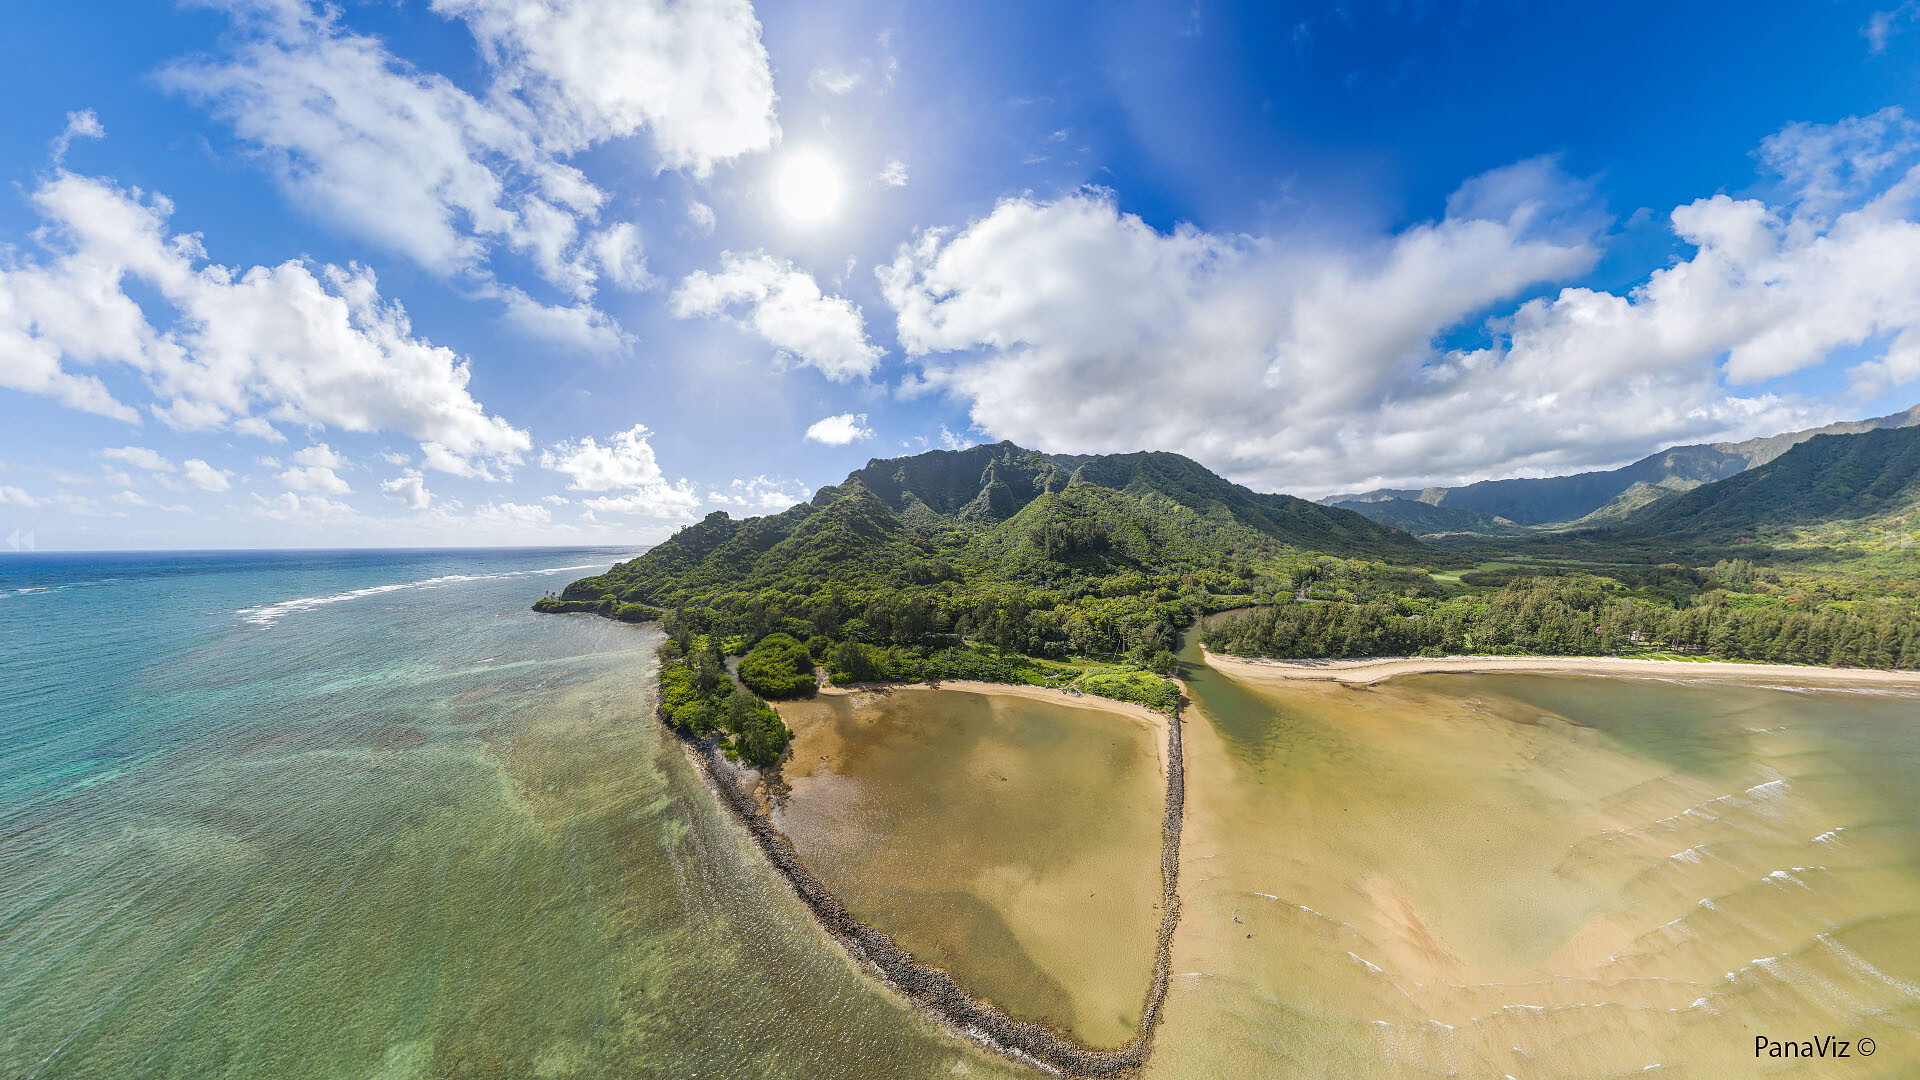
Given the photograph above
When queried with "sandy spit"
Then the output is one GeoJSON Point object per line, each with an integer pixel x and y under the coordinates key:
{"type": "Point", "coordinates": [1377, 669]}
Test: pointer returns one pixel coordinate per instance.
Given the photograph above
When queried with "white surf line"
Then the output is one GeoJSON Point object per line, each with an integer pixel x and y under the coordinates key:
{"type": "Point", "coordinates": [267, 614]}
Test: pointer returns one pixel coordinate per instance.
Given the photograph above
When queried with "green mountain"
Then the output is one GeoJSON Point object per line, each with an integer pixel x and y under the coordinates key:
{"type": "Point", "coordinates": [995, 510]}
{"type": "Point", "coordinates": [1041, 554]}
{"type": "Point", "coordinates": [1426, 519]}
{"type": "Point", "coordinates": [1598, 498]}
{"type": "Point", "coordinates": [1010, 565]}
{"type": "Point", "coordinates": [1830, 489]}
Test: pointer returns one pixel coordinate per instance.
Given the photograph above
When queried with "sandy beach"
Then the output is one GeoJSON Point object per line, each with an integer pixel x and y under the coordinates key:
{"type": "Point", "coordinates": [1377, 669]}
{"type": "Point", "coordinates": [1153, 718]}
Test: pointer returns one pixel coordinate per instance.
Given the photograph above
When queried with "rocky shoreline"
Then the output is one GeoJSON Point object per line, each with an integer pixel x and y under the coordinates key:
{"type": "Point", "coordinates": [935, 990]}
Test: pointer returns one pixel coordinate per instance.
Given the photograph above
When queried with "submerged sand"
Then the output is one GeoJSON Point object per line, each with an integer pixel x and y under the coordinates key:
{"type": "Point", "coordinates": [1379, 669]}
{"type": "Point", "coordinates": [1010, 835]}
{"type": "Point", "coordinates": [1509, 875]}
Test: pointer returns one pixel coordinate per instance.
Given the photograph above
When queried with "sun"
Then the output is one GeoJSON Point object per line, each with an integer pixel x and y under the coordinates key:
{"type": "Point", "coordinates": [806, 187]}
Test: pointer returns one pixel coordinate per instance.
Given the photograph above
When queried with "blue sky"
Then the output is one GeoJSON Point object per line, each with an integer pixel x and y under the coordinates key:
{"type": "Point", "coordinates": [490, 271]}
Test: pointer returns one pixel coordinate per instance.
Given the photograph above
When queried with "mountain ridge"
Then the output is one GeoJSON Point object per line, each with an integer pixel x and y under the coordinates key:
{"type": "Point", "coordinates": [1603, 496]}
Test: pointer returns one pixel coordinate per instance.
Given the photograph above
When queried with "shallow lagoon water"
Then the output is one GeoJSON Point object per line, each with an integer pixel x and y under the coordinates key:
{"type": "Point", "coordinates": [1543, 876]}
{"type": "Point", "coordinates": [1014, 842]}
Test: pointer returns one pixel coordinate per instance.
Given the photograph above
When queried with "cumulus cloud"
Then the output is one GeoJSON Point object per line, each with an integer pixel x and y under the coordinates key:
{"type": "Point", "coordinates": [401, 156]}
{"type": "Point", "coordinates": [840, 430]}
{"type": "Point", "coordinates": [625, 464]}
{"type": "Point", "coordinates": [702, 217]}
{"type": "Point", "coordinates": [410, 160]}
{"type": "Point", "coordinates": [783, 305]}
{"type": "Point", "coordinates": [695, 76]}
{"type": "Point", "coordinates": [318, 479]}
{"type": "Point", "coordinates": [578, 326]}
{"type": "Point", "coordinates": [1074, 327]}
{"type": "Point", "coordinates": [409, 489]}
{"type": "Point", "coordinates": [761, 493]}
{"type": "Point", "coordinates": [204, 476]}
{"type": "Point", "coordinates": [304, 509]}
{"type": "Point", "coordinates": [303, 344]}
{"type": "Point", "coordinates": [894, 174]}
{"type": "Point", "coordinates": [139, 457]}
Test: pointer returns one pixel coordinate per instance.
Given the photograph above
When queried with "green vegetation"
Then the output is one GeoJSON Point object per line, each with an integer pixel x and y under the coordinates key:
{"type": "Point", "coordinates": [1832, 490]}
{"type": "Point", "coordinates": [999, 564]}
{"type": "Point", "coordinates": [1581, 614]}
{"type": "Point", "coordinates": [1005, 565]}
{"type": "Point", "coordinates": [777, 667]}
{"type": "Point", "coordinates": [1139, 687]}
{"type": "Point", "coordinates": [608, 605]}
{"type": "Point", "coordinates": [697, 697]}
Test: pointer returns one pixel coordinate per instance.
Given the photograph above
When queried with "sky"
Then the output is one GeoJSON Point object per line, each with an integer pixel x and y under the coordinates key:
{"type": "Point", "coordinates": [475, 272]}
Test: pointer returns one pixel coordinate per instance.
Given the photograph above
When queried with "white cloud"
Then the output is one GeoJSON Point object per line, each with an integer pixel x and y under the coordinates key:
{"type": "Point", "coordinates": [1882, 25]}
{"type": "Point", "coordinates": [258, 428]}
{"type": "Point", "coordinates": [314, 478]}
{"type": "Point", "coordinates": [702, 217]}
{"type": "Point", "coordinates": [840, 430]}
{"type": "Point", "coordinates": [139, 457]}
{"type": "Point", "coordinates": [401, 156]}
{"type": "Point", "coordinates": [205, 476]}
{"type": "Point", "coordinates": [761, 493]}
{"type": "Point", "coordinates": [303, 509]}
{"type": "Point", "coordinates": [832, 79]}
{"type": "Point", "coordinates": [693, 75]}
{"type": "Point", "coordinates": [784, 306]}
{"type": "Point", "coordinates": [950, 441]}
{"type": "Point", "coordinates": [13, 496]}
{"type": "Point", "coordinates": [140, 502]}
{"type": "Point", "coordinates": [894, 174]}
{"type": "Point", "coordinates": [507, 516]}
{"type": "Point", "coordinates": [302, 344]}
{"type": "Point", "coordinates": [80, 125]}
{"type": "Point", "coordinates": [409, 489]}
{"type": "Point", "coordinates": [320, 455]}
{"type": "Point", "coordinates": [449, 180]}
{"type": "Point", "coordinates": [618, 252]}
{"type": "Point", "coordinates": [578, 326]}
{"type": "Point", "coordinates": [626, 464]}
{"type": "Point", "coordinates": [1070, 326]}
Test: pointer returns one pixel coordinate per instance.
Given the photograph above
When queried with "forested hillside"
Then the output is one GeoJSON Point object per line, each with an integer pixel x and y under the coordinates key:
{"type": "Point", "coordinates": [1005, 564]}
{"type": "Point", "coordinates": [1833, 489]}
{"type": "Point", "coordinates": [997, 562]}
{"type": "Point", "coordinates": [1598, 497]}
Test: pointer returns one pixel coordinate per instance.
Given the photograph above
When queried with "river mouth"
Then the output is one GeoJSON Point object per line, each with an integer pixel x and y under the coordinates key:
{"type": "Point", "coordinates": [1012, 841]}
{"type": "Point", "coordinates": [1537, 875]}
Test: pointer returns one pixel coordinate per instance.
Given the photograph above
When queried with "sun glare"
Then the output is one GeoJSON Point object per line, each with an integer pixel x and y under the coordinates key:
{"type": "Point", "coordinates": [807, 188]}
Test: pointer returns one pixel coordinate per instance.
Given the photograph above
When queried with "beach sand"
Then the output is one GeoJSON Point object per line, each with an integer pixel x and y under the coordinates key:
{"type": "Point", "coordinates": [1378, 669]}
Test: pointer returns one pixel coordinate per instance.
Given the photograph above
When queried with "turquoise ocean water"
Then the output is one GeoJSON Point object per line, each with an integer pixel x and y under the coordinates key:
{"type": "Point", "coordinates": [363, 814]}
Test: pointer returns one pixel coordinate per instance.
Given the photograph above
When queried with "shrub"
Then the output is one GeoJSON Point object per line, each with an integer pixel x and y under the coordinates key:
{"type": "Point", "coordinates": [778, 667]}
{"type": "Point", "coordinates": [1139, 687]}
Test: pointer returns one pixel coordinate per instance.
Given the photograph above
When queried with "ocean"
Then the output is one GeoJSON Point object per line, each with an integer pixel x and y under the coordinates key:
{"type": "Point", "coordinates": [364, 814]}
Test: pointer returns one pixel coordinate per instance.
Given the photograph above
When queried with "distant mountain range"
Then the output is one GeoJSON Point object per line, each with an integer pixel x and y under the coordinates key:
{"type": "Point", "coordinates": [1829, 489]}
{"type": "Point", "coordinates": [1591, 499]}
